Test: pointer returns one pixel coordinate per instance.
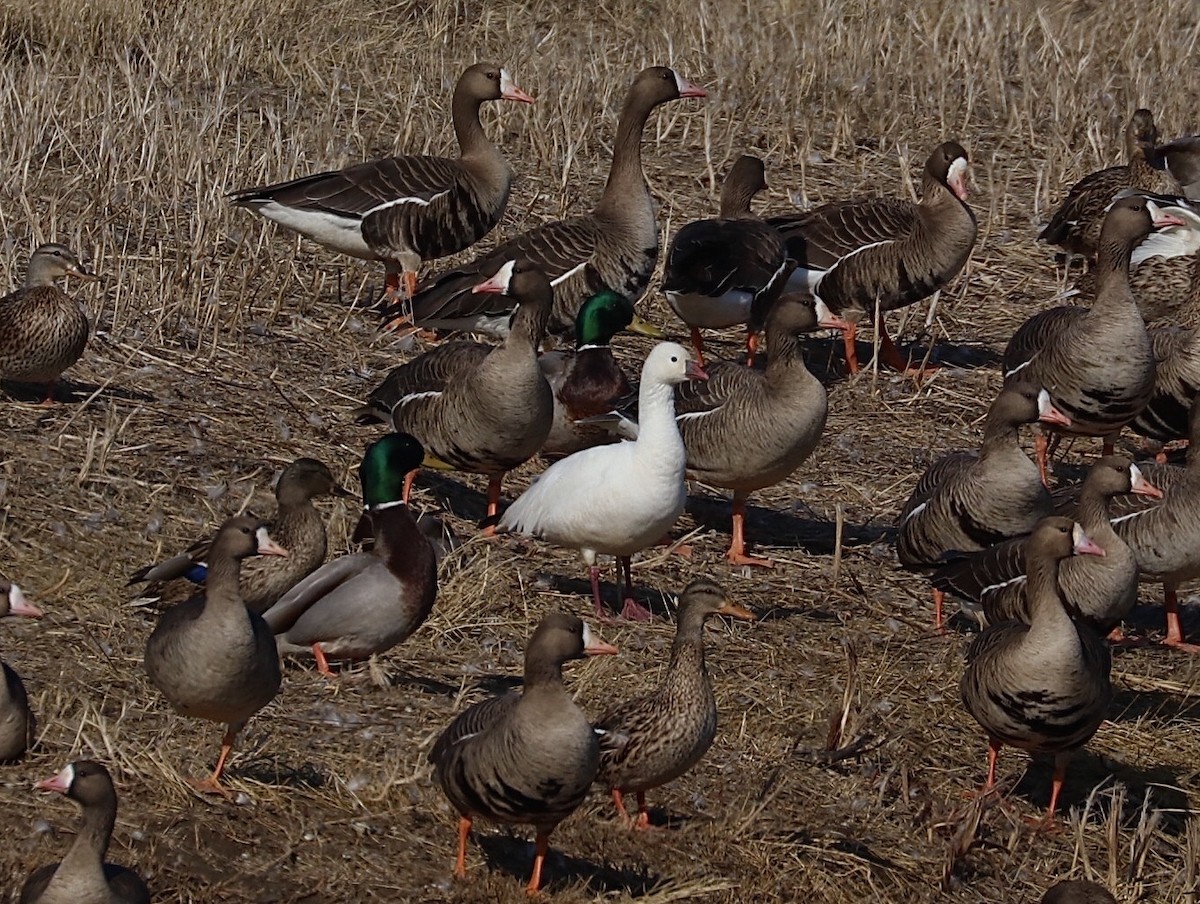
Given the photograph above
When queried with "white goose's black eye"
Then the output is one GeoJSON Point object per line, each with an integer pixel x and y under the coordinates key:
{"type": "Point", "coordinates": [673, 359]}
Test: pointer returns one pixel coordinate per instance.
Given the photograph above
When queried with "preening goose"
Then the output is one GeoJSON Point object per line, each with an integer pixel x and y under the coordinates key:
{"type": "Point", "coordinates": [1044, 686]}
{"type": "Point", "coordinates": [728, 271]}
{"type": "Point", "coordinates": [968, 501]}
{"type": "Point", "coordinates": [854, 255]}
{"type": "Point", "coordinates": [616, 500]}
{"type": "Point", "coordinates": [211, 657]}
{"type": "Point", "coordinates": [296, 526]}
{"type": "Point", "coordinates": [474, 407]}
{"type": "Point", "coordinates": [43, 330]}
{"type": "Point", "coordinates": [405, 210]}
{"type": "Point", "coordinates": [649, 741]}
{"type": "Point", "coordinates": [17, 724]}
{"type": "Point", "coordinates": [528, 757]}
{"type": "Point", "coordinates": [1098, 589]}
{"type": "Point", "coordinates": [1096, 363]}
{"type": "Point", "coordinates": [1076, 224]}
{"type": "Point", "coordinates": [367, 602]}
{"type": "Point", "coordinates": [83, 876]}
{"type": "Point", "coordinates": [614, 247]}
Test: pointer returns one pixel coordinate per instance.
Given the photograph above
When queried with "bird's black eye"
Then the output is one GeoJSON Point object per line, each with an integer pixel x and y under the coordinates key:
{"type": "Point", "coordinates": [674, 359]}
{"type": "Point", "coordinates": [493, 75]}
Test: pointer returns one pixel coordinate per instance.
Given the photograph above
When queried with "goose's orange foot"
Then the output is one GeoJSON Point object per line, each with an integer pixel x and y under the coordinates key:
{"type": "Point", "coordinates": [210, 786]}
{"type": "Point", "coordinates": [740, 558]}
{"type": "Point", "coordinates": [635, 611]}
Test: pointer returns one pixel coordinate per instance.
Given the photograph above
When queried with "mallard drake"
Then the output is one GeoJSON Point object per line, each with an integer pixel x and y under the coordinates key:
{"type": "Point", "coordinates": [211, 657]}
{"type": "Point", "coordinates": [296, 526]}
{"type": "Point", "coordinates": [43, 330]}
{"type": "Point", "coordinates": [17, 725]}
{"type": "Point", "coordinates": [649, 741]}
{"type": "Point", "coordinates": [474, 407]}
{"type": "Point", "coordinates": [528, 757]}
{"type": "Point", "coordinates": [83, 876]}
{"type": "Point", "coordinates": [614, 247]}
{"type": "Point", "coordinates": [362, 604]}
{"type": "Point", "coordinates": [405, 210]}
{"type": "Point", "coordinates": [616, 500]}
{"type": "Point", "coordinates": [1044, 686]}
{"type": "Point", "coordinates": [586, 381]}
{"type": "Point", "coordinates": [728, 271]}
{"type": "Point", "coordinates": [1096, 363]}
{"type": "Point", "coordinates": [1076, 224]}
{"type": "Point", "coordinates": [857, 254]}
{"type": "Point", "coordinates": [968, 501]}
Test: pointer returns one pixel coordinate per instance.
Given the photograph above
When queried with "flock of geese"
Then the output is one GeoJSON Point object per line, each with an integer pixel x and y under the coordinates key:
{"type": "Point", "coordinates": [1048, 573]}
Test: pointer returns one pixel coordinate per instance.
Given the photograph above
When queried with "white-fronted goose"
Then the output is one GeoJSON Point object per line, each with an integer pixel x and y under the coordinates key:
{"type": "Point", "coordinates": [617, 500]}
{"type": "Point", "coordinates": [211, 657]}
{"type": "Point", "coordinates": [859, 253]}
{"type": "Point", "coordinates": [296, 526]}
{"type": "Point", "coordinates": [649, 741]}
{"type": "Point", "coordinates": [366, 603]}
{"type": "Point", "coordinates": [1176, 383]}
{"type": "Point", "coordinates": [43, 330]}
{"type": "Point", "coordinates": [1044, 686]}
{"type": "Point", "coordinates": [746, 429]}
{"type": "Point", "coordinates": [613, 247]}
{"type": "Point", "coordinates": [968, 501]}
{"type": "Point", "coordinates": [586, 381]}
{"type": "Point", "coordinates": [1078, 891]}
{"type": "Point", "coordinates": [1076, 224]}
{"type": "Point", "coordinates": [83, 876]}
{"type": "Point", "coordinates": [405, 210]}
{"type": "Point", "coordinates": [1096, 363]}
{"type": "Point", "coordinates": [528, 757]}
{"type": "Point", "coordinates": [475, 407]}
{"type": "Point", "coordinates": [1181, 159]}
{"type": "Point", "coordinates": [728, 271]}
{"type": "Point", "coordinates": [1099, 589]}
{"type": "Point", "coordinates": [1165, 534]}
{"type": "Point", "coordinates": [17, 724]}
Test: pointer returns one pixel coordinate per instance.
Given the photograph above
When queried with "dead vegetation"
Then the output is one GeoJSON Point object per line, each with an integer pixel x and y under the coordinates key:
{"type": "Point", "coordinates": [225, 348]}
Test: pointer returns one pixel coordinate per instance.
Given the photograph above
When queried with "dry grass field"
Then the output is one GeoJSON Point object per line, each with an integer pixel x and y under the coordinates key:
{"type": "Point", "coordinates": [225, 347]}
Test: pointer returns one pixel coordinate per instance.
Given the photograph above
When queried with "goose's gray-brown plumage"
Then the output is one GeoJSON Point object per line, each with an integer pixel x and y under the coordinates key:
{"type": "Point", "coordinates": [968, 501]}
{"type": "Point", "coordinates": [1181, 159]}
{"type": "Point", "coordinates": [43, 330]}
{"type": "Point", "coordinates": [1096, 363]}
{"type": "Point", "coordinates": [17, 723]}
{"type": "Point", "coordinates": [83, 876]}
{"type": "Point", "coordinates": [1099, 589]}
{"type": "Point", "coordinates": [728, 271]}
{"type": "Point", "coordinates": [859, 253]}
{"type": "Point", "coordinates": [211, 657]}
{"type": "Point", "coordinates": [296, 526]}
{"type": "Point", "coordinates": [1078, 891]}
{"type": "Point", "coordinates": [746, 429]}
{"type": "Point", "coordinates": [528, 757]}
{"type": "Point", "coordinates": [405, 210]}
{"type": "Point", "coordinates": [614, 247]}
{"type": "Point", "coordinates": [1176, 383]}
{"type": "Point", "coordinates": [1044, 686]}
{"type": "Point", "coordinates": [475, 407]}
{"type": "Point", "coordinates": [367, 602]}
{"type": "Point", "coordinates": [1077, 222]}
{"type": "Point", "coordinates": [649, 741]}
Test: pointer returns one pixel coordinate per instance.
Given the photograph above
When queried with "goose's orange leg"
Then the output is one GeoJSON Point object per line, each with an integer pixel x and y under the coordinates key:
{"type": "Point", "coordinates": [698, 345]}
{"type": "Point", "coordinates": [212, 784]}
{"type": "Point", "coordinates": [322, 662]}
{"type": "Point", "coordinates": [1174, 636]}
{"type": "Point", "coordinates": [751, 347]}
{"type": "Point", "coordinates": [460, 862]}
{"type": "Point", "coordinates": [850, 341]}
{"type": "Point", "coordinates": [737, 548]}
{"type": "Point", "coordinates": [541, 847]}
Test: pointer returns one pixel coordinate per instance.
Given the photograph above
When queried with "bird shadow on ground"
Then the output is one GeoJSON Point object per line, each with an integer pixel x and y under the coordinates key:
{"type": "Point", "coordinates": [770, 527]}
{"type": "Point", "coordinates": [70, 393]}
{"type": "Point", "coordinates": [825, 357]}
{"type": "Point", "coordinates": [610, 593]}
{"type": "Point", "coordinates": [515, 857]}
{"type": "Point", "coordinates": [283, 775]}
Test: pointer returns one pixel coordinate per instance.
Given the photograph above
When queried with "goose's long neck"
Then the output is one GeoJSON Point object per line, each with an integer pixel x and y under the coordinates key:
{"type": "Point", "coordinates": [1049, 621]}
{"type": "Point", "coordinates": [91, 844]}
{"type": "Point", "coordinates": [1112, 276]}
{"type": "Point", "coordinates": [999, 434]}
{"type": "Point", "coordinates": [1093, 516]}
{"type": "Point", "coordinates": [658, 435]}
{"type": "Point", "coordinates": [464, 111]}
{"type": "Point", "coordinates": [626, 181]}
{"type": "Point", "coordinates": [222, 584]}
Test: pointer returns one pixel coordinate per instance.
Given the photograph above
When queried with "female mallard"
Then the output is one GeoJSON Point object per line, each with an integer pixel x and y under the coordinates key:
{"type": "Point", "coordinates": [362, 604]}
{"type": "Point", "coordinates": [649, 741]}
{"type": "Point", "coordinates": [43, 331]}
{"type": "Point", "coordinates": [297, 526]}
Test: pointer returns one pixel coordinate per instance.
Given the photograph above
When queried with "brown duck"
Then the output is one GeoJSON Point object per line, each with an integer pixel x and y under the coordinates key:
{"type": "Point", "coordinates": [1043, 686]}
{"type": "Point", "coordinates": [296, 526]}
{"type": "Point", "coordinates": [528, 757]}
{"type": "Point", "coordinates": [649, 741]}
{"type": "Point", "coordinates": [211, 657]}
{"type": "Point", "coordinates": [1078, 891]}
{"type": "Point", "coordinates": [405, 210]}
{"type": "Point", "coordinates": [83, 876]}
{"type": "Point", "coordinates": [43, 330]}
{"type": "Point", "coordinates": [17, 725]}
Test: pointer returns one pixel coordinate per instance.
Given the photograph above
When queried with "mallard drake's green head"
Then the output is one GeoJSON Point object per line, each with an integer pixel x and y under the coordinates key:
{"type": "Point", "coordinates": [604, 315]}
{"type": "Point", "coordinates": [384, 466]}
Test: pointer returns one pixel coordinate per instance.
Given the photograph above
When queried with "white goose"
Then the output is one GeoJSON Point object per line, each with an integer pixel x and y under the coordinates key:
{"type": "Point", "coordinates": [617, 500]}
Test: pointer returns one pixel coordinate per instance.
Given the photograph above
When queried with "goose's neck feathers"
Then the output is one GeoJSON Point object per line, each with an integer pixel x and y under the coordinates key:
{"type": "Point", "coordinates": [626, 188]}
{"type": "Point", "coordinates": [1050, 625]}
{"type": "Point", "coordinates": [464, 112]}
{"type": "Point", "coordinates": [1112, 276]}
{"type": "Point", "coordinates": [86, 856]}
{"type": "Point", "coordinates": [658, 435]}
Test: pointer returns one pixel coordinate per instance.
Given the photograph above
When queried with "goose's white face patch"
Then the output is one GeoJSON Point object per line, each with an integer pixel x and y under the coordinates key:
{"type": "Point", "coordinates": [957, 178]}
{"type": "Point", "coordinates": [506, 83]}
{"type": "Point", "coordinates": [504, 276]}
